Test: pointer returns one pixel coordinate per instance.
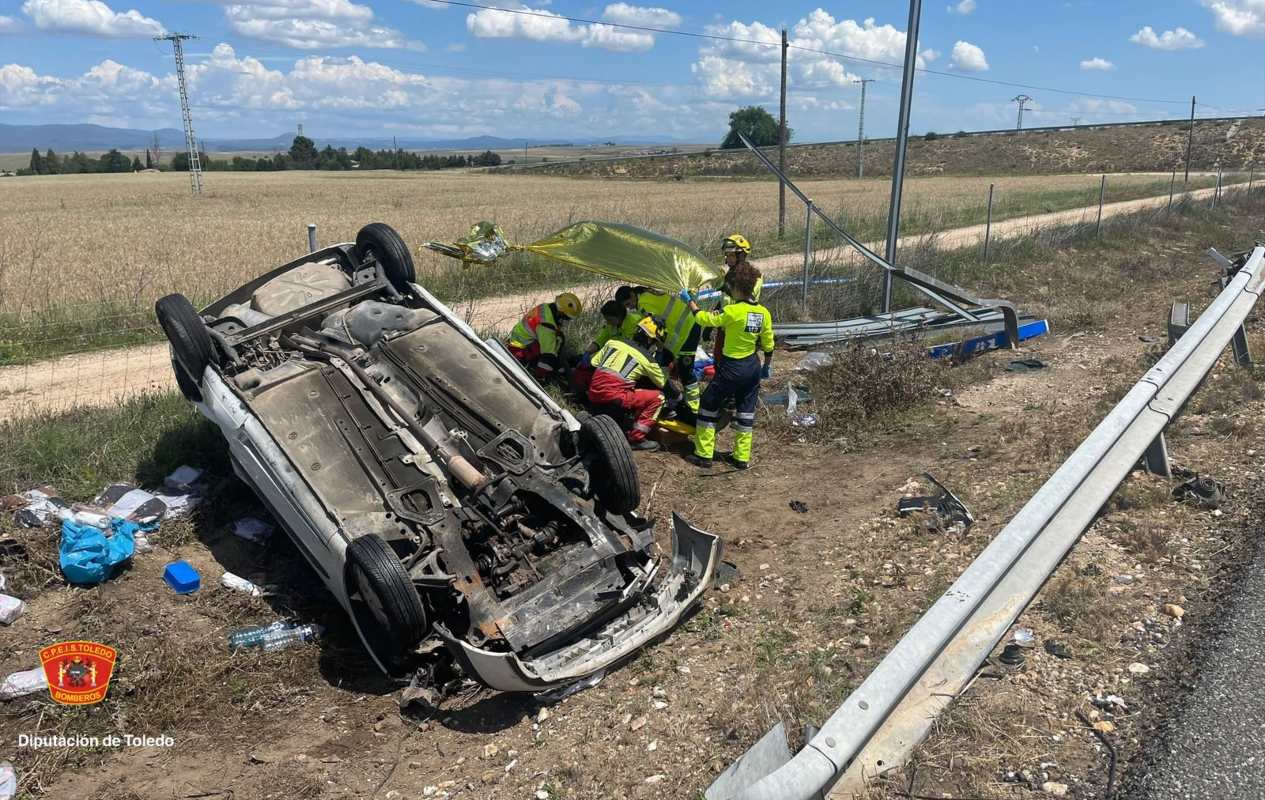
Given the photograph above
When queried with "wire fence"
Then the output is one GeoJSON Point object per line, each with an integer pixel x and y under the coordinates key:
{"type": "Point", "coordinates": [57, 358]}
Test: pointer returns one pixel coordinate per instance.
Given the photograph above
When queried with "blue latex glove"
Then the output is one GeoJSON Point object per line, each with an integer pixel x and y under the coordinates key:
{"type": "Point", "coordinates": [685, 295]}
{"type": "Point", "coordinates": [766, 371]}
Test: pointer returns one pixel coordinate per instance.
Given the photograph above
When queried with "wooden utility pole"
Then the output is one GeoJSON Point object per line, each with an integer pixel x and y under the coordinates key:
{"type": "Point", "coordinates": [781, 149]}
{"type": "Point", "coordinates": [1190, 138]}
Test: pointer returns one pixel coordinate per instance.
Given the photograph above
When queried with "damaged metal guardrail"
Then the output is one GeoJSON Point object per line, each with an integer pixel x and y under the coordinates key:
{"type": "Point", "coordinates": [881, 722]}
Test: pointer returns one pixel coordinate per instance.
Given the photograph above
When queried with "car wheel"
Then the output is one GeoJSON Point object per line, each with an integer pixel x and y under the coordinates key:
{"type": "Point", "coordinates": [380, 240]}
{"type": "Point", "coordinates": [393, 619]}
{"type": "Point", "coordinates": [611, 465]}
{"type": "Point", "coordinates": [191, 346]}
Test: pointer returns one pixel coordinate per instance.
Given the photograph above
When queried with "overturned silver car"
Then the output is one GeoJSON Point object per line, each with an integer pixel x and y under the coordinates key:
{"type": "Point", "coordinates": [446, 500]}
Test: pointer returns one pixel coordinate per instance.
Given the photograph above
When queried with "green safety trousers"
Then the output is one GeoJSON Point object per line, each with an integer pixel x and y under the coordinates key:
{"type": "Point", "coordinates": [737, 378]}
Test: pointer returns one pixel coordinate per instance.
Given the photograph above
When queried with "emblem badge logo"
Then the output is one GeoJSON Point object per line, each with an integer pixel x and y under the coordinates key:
{"type": "Point", "coordinates": [78, 673]}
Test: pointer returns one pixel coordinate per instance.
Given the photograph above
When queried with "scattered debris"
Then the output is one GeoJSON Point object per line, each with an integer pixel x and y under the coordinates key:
{"type": "Point", "coordinates": [132, 504]}
{"type": "Point", "coordinates": [182, 577]}
{"type": "Point", "coordinates": [10, 609]}
{"type": "Point", "coordinates": [252, 530]}
{"type": "Point", "coordinates": [790, 397]}
{"type": "Point", "coordinates": [1104, 726]}
{"type": "Point", "coordinates": [799, 506]}
{"type": "Point", "coordinates": [804, 420]}
{"type": "Point", "coordinates": [1173, 610]}
{"type": "Point", "coordinates": [1138, 668]}
{"type": "Point", "coordinates": [39, 507]}
{"type": "Point", "coordinates": [1201, 491]}
{"type": "Point", "coordinates": [183, 480]}
{"type": "Point", "coordinates": [1024, 637]}
{"type": "Point", "coordinates": [945, 509]}
{"type": "Point", "coordinates": [89, 555]}
{"type": "Point", "coordinates": [1057, 649]}
{"type": "Point", "coordinates": [22, 683]}
{"type": "Point", "coordinates": [1026, 365]}
{"type": "Point", "coordinates": [239, 583]}
{"type": "Point", "coordinates": [1054, 789]}
{"type": "Point", "coordinates": [814, 360]}
{"type": "Point", "coordinates": [1110, 702]}
{"type": "Point", "coordinates": [1013, 655]}
{"type": "Point", "coordinates": [563, 692]}
{"type": "Point", "coordinates": [275, 636]}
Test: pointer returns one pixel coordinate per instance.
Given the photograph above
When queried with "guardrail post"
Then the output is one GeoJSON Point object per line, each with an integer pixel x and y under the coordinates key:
{"type": "Point", "coordinates": [1171, 181]}
{"type": "Point", "coordinates": [988, 222]}
{"type": "Point", "coordinates": [1102, 193]}
{"type": "Point", "coordinates": [1155, 458]}
{"type": "Point", "coordinates": [1242, 353]}
{"type": "Point", "coordinates": [311, 237]}
{"type": "Point", "coordinates": [1178, 322]}
{"type": "Point", "coordinates": [808, 247]}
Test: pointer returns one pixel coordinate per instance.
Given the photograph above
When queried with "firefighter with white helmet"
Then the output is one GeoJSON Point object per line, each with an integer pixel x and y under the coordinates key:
{"type": "Point", "coordinates": [537, 339]}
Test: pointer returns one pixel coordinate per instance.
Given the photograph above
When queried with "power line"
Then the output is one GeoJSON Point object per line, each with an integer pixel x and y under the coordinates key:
{"type": "Point", "coordinates": [761, 43]}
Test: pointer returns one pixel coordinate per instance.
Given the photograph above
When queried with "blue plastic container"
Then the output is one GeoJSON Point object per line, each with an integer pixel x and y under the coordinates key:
{"type": "Point", "coordinates": [182, 577]}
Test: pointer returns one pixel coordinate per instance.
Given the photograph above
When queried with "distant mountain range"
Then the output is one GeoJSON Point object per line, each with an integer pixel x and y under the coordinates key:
{"type": "Point", "coordinates": [21, 138]}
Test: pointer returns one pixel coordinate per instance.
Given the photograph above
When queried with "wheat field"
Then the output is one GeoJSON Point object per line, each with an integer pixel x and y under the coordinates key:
{"type": "Point", "coordinates": [79, 245]}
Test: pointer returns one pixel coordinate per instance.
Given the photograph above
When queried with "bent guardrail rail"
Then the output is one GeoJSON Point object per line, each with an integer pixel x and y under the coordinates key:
{"type": "Point", "coordinates": [891, 711]}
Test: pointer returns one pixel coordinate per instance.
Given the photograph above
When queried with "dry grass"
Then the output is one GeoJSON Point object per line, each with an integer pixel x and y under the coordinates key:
{"type": "Point", "coordinates": [124, 240]}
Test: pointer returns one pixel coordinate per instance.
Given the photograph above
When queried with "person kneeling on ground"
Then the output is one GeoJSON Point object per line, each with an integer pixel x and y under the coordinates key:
{"type": "Point", "coordinates": [537, 339]}
{"type": "Point", "coordinates": [617, 323]}
{"type": "Point", "coordinates": [619, 366]}
{"type": "Point", "coordinates": [746, 325]}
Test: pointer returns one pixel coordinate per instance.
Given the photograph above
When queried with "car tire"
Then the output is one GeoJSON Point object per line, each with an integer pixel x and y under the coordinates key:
{"type": "Point", "coordinates": [612, 469]}
{"type": "Point", "coordinates": [392, 604]}
{"type": "Point", "coordinates": [191, 347]}
{"type": "Point", "coordinates": [383, 243]}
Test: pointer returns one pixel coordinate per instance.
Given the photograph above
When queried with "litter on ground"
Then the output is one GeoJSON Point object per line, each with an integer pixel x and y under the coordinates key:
{"type": "Point", "coordinates": [252, 529]}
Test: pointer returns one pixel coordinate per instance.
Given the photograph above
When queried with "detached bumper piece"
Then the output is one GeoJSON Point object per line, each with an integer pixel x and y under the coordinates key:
{"type": "Point", "coordinates": [695, 558]}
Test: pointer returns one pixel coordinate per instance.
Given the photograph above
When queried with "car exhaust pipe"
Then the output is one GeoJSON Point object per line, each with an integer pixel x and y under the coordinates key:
{"type": "Point", "coordinates": [432, 435]}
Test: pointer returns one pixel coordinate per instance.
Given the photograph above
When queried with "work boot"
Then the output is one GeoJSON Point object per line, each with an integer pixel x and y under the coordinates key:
{"type": "Point", "coordinates": [738, 464]}
{"type": "Point", "coordinates": [646, 445]}
{"type": "Point", "coordinates": [699, 461]}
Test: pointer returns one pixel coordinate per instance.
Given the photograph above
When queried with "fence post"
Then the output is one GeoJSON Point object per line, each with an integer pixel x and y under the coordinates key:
{"type": "Point", "coordinates": [1250, 176]}
{"type": "Point", "coordinates": [311, 237]}
{"type": "Point", "coordinates": [988, 222]}
{"type": "Point", "coordinates": [1171, 181]}
{"type": "Point", "coordinates": [1102, 192]}
{"type": "Point", "coordinates": [1216, 191]}
{"type": "Point", "coordinates": [808, 247]}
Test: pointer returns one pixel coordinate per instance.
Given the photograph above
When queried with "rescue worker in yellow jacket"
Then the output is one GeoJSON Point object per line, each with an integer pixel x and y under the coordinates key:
{"type": "Point", "coordinates": [617, 323]}
{"type": "Point", "coordinates": [735, 249]}
{"type": "Point", "coordinates": [680, 336]}
{"type": "Point", "coordinates": [620, 368]}
{"type": "Point", "coordinates": [537, 339]}
{"type": "Point", "coordinates": [747, 327]}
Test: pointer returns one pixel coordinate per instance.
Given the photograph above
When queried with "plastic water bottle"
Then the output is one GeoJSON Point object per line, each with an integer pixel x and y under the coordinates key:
{"type": "Point", "coordinates": [291, 634]}
{"type": "Point", "coordinates": [240, 584]}
{"type": "Point", "coordinates": [276, 636]}
{"type": "Point", "coordinates": [252, 635]}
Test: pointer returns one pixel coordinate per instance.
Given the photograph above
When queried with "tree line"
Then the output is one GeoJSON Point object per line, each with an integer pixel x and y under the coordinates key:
{"type": "Point", "coordinates": [302, 154]}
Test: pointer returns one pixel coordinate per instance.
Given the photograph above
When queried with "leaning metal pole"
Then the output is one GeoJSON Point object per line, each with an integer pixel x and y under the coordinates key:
{"type": "Point", "coordinates": [902, 139]}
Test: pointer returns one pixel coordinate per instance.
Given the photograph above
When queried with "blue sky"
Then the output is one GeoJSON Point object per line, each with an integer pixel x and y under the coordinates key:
{"type": "Point", "coordinates": [426, 69]}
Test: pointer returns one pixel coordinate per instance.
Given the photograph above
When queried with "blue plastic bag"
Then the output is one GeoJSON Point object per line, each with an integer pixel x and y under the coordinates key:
{"type": "Point", "coordinates": [88, 556]}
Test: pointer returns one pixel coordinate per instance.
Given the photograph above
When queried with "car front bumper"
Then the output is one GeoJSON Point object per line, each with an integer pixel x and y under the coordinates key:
{"type": "Point", "coordinates": [695, 559]}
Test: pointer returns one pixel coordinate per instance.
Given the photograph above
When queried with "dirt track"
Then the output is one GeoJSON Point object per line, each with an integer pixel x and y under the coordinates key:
{"type": "Point", "coordinates": [106, 376]}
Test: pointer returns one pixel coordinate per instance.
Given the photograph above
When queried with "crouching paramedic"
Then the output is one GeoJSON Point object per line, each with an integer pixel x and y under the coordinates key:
{"type": "Point", "coordinates": [537, 339]}
{"type": "Point", "coordinates": [747, 326]}
{"type": "Point", "coordinates": [620, 366]}
{"type": "Point", "coordinates": [618, 323]}
{"type": "Point", "coordinates": [680, 337]}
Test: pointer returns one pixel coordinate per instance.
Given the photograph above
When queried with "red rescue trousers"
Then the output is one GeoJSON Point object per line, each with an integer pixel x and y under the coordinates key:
{"type": "Point", "coordinates": [643, 405]}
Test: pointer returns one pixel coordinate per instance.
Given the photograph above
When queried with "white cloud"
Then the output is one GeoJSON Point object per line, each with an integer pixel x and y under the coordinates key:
{"type": "Point", "coordinates": [312, 24]}
{"type": "Point", "coordinates": [91, 18]}
{"type": "Point", "coordinates": [651, 17]}
{"type": "Point", "coordinates": [1176, 39]}
{"type": "Point", "coordinates": [539, 25]}
{"type": "Point", "coordinates": [1097, 63]}
{"type": "Point", "coordinates": [965, 7]}
{"type": "Point", "coordinates": [9, 25]}
{"type": "Point", "coordinates": [864, 40]}
{"type": "Point", "coordinates": [1239, 17]}
{"type": "Point", "coordinates": [968, 57]}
